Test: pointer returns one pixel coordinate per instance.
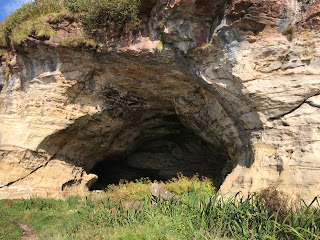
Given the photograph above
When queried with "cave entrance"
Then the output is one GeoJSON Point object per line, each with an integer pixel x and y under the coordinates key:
{"type": "Point", "coordinates": [114, 171]}
{"type": "Point", "coordinates": [160, 154]}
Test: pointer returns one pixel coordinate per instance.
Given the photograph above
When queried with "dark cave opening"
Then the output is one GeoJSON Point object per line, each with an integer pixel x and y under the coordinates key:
{"type": "Point", "coordinates": [162, 157]}
{"type": "Point", "coordinates": [144, 144]}
{"type": "Point", "coordinates": [114, 172]}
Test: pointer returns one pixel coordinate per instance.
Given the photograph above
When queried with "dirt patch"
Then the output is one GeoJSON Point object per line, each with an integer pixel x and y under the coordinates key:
{"type": "Point", "coordinates": [27, 232]}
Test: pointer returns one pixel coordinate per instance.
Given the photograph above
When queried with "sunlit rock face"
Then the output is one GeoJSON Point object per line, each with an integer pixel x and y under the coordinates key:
{"type": "Point", "coordinates": [234, 94]}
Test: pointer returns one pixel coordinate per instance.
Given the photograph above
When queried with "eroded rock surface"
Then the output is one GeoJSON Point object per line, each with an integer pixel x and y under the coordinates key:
{"type": "Point", "coordinates": [236, 88]}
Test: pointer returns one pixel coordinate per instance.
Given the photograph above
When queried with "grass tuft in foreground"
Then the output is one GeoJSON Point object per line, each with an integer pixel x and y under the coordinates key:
{"type": "Point", "coordinates": [8, 229]}
{"type": "Point", "coordinates": [196, 212]}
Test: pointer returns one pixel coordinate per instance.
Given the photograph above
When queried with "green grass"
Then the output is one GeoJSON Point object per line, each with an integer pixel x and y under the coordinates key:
{"type": "Point", "coordinates": [78, 42]}
{"type": "Point", "coordinates": [8, 229]}
{"type": "Point", "coordinates": [6, 74]}
{"type": "Point", "coordinates": [197, 212]}
{"type": "Point", "coordinates": [140, 189]}
{"type": "Point", "coordinates": [110, 16]}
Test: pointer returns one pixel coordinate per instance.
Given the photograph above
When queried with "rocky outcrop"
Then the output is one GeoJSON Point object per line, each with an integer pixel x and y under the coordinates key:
{"type": "Point", "coordinates": [234, 93]}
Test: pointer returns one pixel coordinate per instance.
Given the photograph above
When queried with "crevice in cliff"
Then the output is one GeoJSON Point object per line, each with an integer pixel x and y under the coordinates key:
{"type": "Point", "coordinates": [295, 108]}
{"type": "Point", "coordinates": [313, 105]}
{"type": "Point", "coordinates": [20, 179]}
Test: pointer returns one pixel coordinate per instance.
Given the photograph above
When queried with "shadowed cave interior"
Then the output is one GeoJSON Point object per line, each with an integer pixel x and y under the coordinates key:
{"type": "Point", "coordinates": [131, 144]}
{"type": "Point", "coordinates": [160, 154]}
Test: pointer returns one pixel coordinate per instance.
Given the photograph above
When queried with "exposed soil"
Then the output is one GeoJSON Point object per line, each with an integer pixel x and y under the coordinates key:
{"type": "Point", "coordinates": [27, 232]}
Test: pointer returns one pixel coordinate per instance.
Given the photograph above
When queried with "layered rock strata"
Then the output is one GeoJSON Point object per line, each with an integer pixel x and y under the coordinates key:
{"type": "Point", "coordinates": [234, 93]}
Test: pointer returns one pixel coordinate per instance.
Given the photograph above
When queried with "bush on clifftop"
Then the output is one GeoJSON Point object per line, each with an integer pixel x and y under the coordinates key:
{"type": "Point", "coordinates": [117, 15]}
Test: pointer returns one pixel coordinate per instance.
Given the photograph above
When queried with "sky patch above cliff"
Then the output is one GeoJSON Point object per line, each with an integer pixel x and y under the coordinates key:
{"type": "Point", "coordinates": [9, 6]}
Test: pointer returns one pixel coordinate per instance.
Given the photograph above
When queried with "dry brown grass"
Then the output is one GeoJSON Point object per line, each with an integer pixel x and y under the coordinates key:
{"type": "Point", "coordinates": [276, 202]}
{"type": "Point", "coordinates": [289, 32]}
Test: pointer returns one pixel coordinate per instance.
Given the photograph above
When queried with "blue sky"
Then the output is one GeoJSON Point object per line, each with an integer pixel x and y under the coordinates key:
{"type": "Point", "coordinates": [8, 6]}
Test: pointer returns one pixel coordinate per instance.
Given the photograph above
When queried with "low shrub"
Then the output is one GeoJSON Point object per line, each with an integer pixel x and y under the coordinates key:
{"type": "Point", "coordinates": [121, 15]}
{"type": "Point", "coordinates": [182, 184]}
{"type": "Point", "coordinates": [138, 190]}
{"type": "Point", "coordinates": [275, 202]}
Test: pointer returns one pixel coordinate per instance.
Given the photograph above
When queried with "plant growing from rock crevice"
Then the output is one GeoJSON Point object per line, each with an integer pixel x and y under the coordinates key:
{"type": "Point", "coordinates": [289, 32]}
{"type": "Point", "coordinates": [159, 46]}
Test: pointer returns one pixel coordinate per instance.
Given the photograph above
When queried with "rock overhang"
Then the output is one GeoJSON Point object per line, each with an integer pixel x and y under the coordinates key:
{"type": "Point", "coordinates": [228, 75]}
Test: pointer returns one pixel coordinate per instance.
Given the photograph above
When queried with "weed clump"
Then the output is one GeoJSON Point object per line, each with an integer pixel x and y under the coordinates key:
{"type": "Point", "coordinates": [289, 32]}
{"type": "Point", "coordinates": [181, 185]}
{"type": "Point", "coordinates": [6, 74]}
{"type": "Point", "coordinates": [159, 46]}
{"type": "Point", "coordinates": [125, 190]}
{"type": "Point", "coordinates": [275, 202]}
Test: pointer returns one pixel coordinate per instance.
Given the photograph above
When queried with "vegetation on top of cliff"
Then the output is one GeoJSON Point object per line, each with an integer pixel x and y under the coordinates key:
{"type": "Point", "coordinates": [113, 16]}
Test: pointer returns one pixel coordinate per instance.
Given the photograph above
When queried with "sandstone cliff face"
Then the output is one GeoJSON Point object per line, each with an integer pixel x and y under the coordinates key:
{"type": "Point", "coordinates": [234, 94]}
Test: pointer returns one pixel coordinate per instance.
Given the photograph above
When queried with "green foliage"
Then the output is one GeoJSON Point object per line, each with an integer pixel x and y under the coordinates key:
{"type": "Point", "coordinates": [117, 15]}
{"type": "Point", "coordinates": [38, 28]}
{"type": "Point", "coordinates": [27, 12]}
{"type": "Point", "coordinates": [39, 204]}
{"type": "Point", "coordinates": [121, 15]}
{"type": "Point", "coordinates": [77, 42]}
{"type": "Point", "coordinates": [196, 213]}
{"type": "Point", "coordinates": [159, 46]}
{"type": "Point", "coordinates": [6, 74]}
{"type": "Point", "coordinates": [140, 189]}
{"type": "Point", "coordinates": [183, 185]}
{"type": "Point", "coordinates": [206, 46]}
